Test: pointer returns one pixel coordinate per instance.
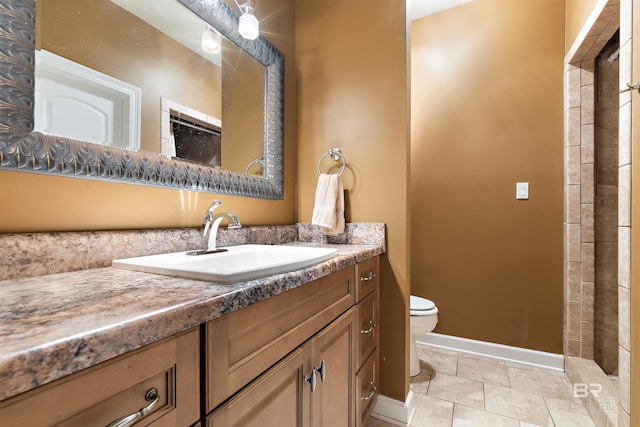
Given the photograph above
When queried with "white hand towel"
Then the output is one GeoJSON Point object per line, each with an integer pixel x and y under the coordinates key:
{"type": "Point", "coordinates": [328, 211]}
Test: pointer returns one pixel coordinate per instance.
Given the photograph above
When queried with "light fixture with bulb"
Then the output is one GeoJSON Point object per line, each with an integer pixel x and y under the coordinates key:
{"type": "Point", "coordinates": [211, 40]}
{"type": "Point", "coordinates": [248, 26]}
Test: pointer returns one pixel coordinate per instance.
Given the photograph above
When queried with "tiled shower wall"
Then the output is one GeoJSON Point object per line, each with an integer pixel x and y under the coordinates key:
{"type": "Point", "coordinates": [580, 230]}
{"type": "Point", "coordinates": [607, 105]}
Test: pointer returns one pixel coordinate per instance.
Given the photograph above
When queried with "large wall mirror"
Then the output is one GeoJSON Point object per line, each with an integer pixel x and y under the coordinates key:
{"type": "Point", "coordinates": [156, 92]}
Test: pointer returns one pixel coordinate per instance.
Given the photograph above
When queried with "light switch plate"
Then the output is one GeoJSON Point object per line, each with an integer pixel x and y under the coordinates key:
{"type": "Point", "coordinates": [522, 190]}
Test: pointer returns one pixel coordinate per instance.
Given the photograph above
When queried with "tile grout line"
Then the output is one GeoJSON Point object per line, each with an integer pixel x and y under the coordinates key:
{"type": "Point", "coordinates": [484, 397]}
{"type": "Point", "coordinates": [429, 385]}
{"type": "Point", "coordinates": [453, 412]}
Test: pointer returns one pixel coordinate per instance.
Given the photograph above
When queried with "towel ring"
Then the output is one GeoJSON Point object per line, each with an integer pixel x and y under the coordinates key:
{"type": "Point", "coordinates": [336, 154]}
{"type": "Point", "coordinates": [253, 162]}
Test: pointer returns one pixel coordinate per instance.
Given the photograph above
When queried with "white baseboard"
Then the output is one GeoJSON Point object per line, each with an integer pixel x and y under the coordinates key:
{"type": "Point", "coordinates": [496, 351]}
{"type": "Point", "coordinates": [394, 411]}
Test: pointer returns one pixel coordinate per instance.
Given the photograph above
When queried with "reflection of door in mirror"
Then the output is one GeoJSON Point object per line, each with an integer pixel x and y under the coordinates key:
{"type": "Point", "coordinates": [105, 37]}
{"type": "Point", "coordinates": [77, 102]}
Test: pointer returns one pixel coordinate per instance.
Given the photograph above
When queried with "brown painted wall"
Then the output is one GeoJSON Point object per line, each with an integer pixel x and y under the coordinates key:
{"type": "Point", "coordinates": [352, 93]}
{"type": "Point", "coordinates": [45, 203]}
{"type": "Point", "coordinates": [487, 112]}
{"type": "Point", "coordinates": [576, 14]}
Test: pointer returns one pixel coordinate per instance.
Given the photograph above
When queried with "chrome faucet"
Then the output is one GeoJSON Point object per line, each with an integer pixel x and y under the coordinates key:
{"type": "Point", "coordinates": [212, 222]}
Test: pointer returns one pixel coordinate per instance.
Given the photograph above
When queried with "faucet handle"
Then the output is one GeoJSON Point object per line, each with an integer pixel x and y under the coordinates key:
{"type": "Point", "coordinates": [209, 216]}
{"type": "Point", "coordinates": [213, 206]}
{"type": "Point", "coordinates": [236, 221]}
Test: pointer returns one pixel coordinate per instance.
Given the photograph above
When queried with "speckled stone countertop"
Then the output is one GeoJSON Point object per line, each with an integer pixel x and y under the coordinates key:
{"type": "Point", "coordinates": [52, 326]}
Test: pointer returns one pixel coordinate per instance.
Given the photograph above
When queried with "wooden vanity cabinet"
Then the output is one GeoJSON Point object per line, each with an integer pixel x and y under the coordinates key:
{"type": "Point", "coordinates": [263, 360]}
{"type": "Point", "coordinates": [102, 394]}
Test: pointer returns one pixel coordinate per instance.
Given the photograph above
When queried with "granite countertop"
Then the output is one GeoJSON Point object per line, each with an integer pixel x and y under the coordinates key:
{"type": "Point", "coordinates": [55, 325]}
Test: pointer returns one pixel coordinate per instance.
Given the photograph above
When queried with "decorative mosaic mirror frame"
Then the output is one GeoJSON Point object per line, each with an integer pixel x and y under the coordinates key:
{"type": "Point", "coordinates": [22, 149]}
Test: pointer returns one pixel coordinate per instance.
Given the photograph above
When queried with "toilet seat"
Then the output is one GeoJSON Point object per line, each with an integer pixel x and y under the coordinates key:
{"type": "Point", "coordinates": [421, 306]}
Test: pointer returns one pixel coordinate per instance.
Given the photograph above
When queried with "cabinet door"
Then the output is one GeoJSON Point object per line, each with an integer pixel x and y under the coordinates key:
{"type": "Point", "coordinates": [100, 395]}
{"type": "Point", "coordinates": [279, 398]}
{"type": "Point", "coordinates": [334, 360]}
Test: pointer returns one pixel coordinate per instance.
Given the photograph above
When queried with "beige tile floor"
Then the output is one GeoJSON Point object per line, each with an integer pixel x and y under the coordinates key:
{"type": "Point", "coordinates": [463, 390]}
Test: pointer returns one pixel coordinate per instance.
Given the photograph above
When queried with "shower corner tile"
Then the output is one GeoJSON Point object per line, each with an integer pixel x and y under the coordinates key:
{"type": "Point", "coordinates": [588, 232]}
{"type": "Point", "coordinates": [624, 134]}
{"type": "Point", "coordinates": [573, 136]}
{"type": "Point", "coordinates": [588, 67]}
{"type": "Point", "coordinates": [624, 257]}
{"type": "Point", "coordinates": [624, 317]}
{"type": "Point", "coordinates": [587, 340]}
{"type": "Point", "coordinates": [587, 111]}
{"type": "Point", "coordinates": [624, 366]}
{"type": "Point", "coordinates": [588, 251]}
{"type": "Point", "coordinates": [587, 183]}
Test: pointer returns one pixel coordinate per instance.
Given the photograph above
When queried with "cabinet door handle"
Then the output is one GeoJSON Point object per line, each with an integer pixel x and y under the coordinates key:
{"type": "Point", "coordinates": [370, 277]}
{"type": "Point", "coordinates": [152, 396]}
{"type": "Point", "coordinates": [372, 326]}
{"type": "Point", "coordinates": [323, 370]}
{"type": "Point", "coordinates": [372, 392]}
{"type": "Point", "coordinates": [311, 379]}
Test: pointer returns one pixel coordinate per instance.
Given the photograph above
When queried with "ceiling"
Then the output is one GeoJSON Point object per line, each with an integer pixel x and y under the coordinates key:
{"type": "Point", "coordinates": [422, 8]}
{"type": "Point", "coordinates": [173, 19]}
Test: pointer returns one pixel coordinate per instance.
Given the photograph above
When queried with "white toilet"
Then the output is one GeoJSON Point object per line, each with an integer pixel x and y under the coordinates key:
{"type": "Point", "coordinates": [424, 317]}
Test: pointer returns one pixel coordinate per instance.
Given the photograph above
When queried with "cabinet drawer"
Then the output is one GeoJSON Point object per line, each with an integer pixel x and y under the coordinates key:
{"type": "Point", "coordinates": [367, 332]}
{"type": "Point", "coordinates": [366, 388]}
{"type": "Point", "coordinates": [104, 393]}
{"type": "Point", "coordinates": [243, 344]}
{"type": "Point", "coordinates": [368, 277]}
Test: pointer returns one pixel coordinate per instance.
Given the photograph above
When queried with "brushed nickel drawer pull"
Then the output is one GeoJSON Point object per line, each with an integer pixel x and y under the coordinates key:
{"type": "Point", "coordinates": [370, 277]}
{"type": "Point", "coordinates": [311, 379]}
{"type": "Point", "coordinates": [371, 393]}
{"type": "Point", "coordinates": [323, 370]}
{"type": "Point", "coordinates": [152, 396]}
{"type": "Point", "coordinates": [372, 326]}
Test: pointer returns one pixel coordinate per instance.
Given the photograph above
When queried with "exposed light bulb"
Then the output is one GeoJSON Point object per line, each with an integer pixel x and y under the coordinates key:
{"type": "Point", "coordinates": [211, 41]}
{"type": "Point", "coordinates": [248, 26]}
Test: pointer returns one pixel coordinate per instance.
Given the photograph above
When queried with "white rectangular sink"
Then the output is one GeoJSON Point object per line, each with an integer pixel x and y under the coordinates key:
{"type": "Point", "coordinates": [236, 263]}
